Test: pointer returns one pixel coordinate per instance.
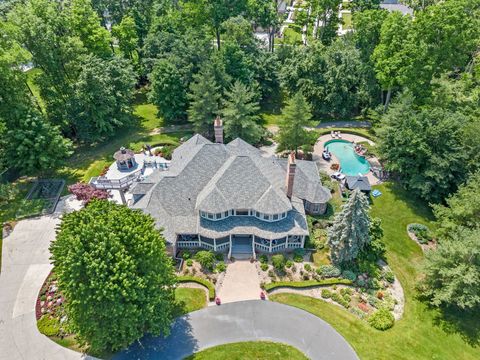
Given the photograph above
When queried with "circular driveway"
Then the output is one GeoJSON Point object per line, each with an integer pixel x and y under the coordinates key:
{"type": "Point", "coordinates": [253, 320]}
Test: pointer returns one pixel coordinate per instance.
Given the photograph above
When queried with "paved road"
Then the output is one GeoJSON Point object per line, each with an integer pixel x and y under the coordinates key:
{"type": "Point", "coordinates": [25, 266]}
{"type": "Point", "coordinates": [245, 321]}
{"type": "Point", "coordinates": [344, 124]}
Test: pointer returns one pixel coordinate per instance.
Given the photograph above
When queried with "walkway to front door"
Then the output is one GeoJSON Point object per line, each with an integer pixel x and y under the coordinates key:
{"type": "Point", "coordinates": [241, 282]}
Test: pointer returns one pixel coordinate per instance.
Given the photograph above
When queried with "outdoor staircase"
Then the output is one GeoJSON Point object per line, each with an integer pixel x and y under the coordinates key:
{"type": "Point", "coordinates": [242, 251]}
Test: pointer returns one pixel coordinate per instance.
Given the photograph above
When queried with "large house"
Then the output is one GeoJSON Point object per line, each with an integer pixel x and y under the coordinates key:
{"type": "Point", "coordinates": [228, 197]}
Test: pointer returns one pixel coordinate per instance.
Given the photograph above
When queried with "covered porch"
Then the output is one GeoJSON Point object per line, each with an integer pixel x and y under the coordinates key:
{"type": "Point", "coordinates": [241, 243]}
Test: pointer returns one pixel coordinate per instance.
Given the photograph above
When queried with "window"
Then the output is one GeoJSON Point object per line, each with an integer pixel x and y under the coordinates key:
{"type": "Point", "coordinates": [218, 216]}
{"type": "Point", "coordinates": [275, 217]}
{"type": "Point", "coordinates": [257, 214]}
{"type": "Point", "coordinates": [210, 216]}
{"type": "Point", "coordinates": [242, 212]}
{"type": "Point", "coordinates": [226, 213]}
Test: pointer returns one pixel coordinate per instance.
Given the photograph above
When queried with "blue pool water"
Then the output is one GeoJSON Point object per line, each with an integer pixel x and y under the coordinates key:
{"type": "Point", "coordinates": [350, 162]}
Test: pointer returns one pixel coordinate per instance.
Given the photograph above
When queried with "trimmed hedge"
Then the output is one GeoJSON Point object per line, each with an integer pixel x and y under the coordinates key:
{"type": "Point", "coordinates": [305, 284]}
{"type": "Point", "coordinates": [206, 283]}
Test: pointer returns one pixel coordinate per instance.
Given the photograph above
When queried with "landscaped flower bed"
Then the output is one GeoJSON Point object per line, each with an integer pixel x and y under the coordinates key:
{"type": "Point", "coordinates": [49, 309]}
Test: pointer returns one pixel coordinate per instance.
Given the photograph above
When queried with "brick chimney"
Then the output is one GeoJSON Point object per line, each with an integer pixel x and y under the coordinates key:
{"type": "Point", "coordinates": [290, 173]}
{"type": "Point", "coordinates": [218, 129]}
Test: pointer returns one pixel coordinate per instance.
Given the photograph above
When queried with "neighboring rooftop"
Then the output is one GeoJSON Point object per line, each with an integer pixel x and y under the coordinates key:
{"type": "Point", "coordinates": [358, 182]}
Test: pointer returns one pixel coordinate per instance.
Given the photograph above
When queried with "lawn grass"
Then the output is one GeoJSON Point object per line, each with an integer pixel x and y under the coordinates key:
{"type": "Point", "coordinates": [258, 350]}
{"type": "Point", "coordinates": [422, 333]}
{"type": "Point", "coordinates": [190, 299]}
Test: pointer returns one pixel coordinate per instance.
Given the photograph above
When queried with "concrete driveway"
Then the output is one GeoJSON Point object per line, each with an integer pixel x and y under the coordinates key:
{"type": "Point", "coordinates": [25, 265]}
{"type": "Point", "coordinates": [253, 320]}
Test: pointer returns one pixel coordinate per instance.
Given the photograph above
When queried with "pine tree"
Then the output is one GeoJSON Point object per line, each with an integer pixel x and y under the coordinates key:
{"type": "Point", "coordinates": [204, 101]}
{"type": "Point", "coordinates": [295, 116]}
{"type": "Point", "coordinates": [240, 114]}
{"type": "Point", "coordinates": [350, 232]}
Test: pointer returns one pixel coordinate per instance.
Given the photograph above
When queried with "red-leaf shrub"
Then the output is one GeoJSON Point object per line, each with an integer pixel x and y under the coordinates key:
{"type": "Point", "coordinates": [86, 193]}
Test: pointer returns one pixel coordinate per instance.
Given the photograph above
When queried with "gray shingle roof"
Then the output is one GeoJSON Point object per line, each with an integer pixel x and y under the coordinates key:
{"type": "Point", "coordinates": [358, 182]}
{"type": "Point", "coordinates": [217, 177]}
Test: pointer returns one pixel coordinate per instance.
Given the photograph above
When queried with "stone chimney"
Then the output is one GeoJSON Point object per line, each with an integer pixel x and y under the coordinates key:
{"type": "Point", "coordinates": [290, 173]}
{"type": "Point", "coordinates": [218, 129]}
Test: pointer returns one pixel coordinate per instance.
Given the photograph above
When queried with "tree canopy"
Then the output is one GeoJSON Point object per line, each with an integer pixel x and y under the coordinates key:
{"type": "Point", "coordinates": [113, 270]}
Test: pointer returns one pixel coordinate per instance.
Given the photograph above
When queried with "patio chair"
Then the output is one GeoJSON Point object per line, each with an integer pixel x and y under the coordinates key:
{"type": "Point", "coordinates": [339, 134]}
{"type": "Point", "coordinates": [332, 134]}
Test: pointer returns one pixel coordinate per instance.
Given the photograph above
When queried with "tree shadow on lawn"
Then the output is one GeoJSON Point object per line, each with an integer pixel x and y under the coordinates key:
{"type": "Point", "coordinates": [463, 322]}
{"type": "Point", "coordinates": [179, 344]}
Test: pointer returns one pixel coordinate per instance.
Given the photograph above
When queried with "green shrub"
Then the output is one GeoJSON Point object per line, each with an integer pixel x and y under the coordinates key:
{"type": "Point", "coordinates": [48, 326]}
{"type": "Point", "coordinates": [328, 271]}
{"type": "Point", "coordinates": [189, 262]}
{"type": "Point", "coordinates": [278, 262]}
{"type": "Point", "coordinates": [264, 267]}
{"type": "Point", "coordinates": [389, 276]}
{"type": "Point", "coordinates": [206, 259]}
{"type": "Point", "coordinates": [326, 294]}
{"type": "Point", "coordinates": [271, 273]}
{"type": "Point", "coordinates": [346, 291]}
{"type": "Point", "coordinates": [264, 259]}
{"type": "Point", "coordinates": [306, 284]}
{"type": "Point", "coordinates": [374, 284]}
{"type": "Point", "coordinates": [307, 267]}
{"type": "Point", "coordinates": [350, 275]}
{"type": "Point", "coordinates": [186, 255]}
{"type": "Point", "coordinates": [422, 233]}
{"type": "Point", "coordinates": [221, 267]}
{"type": "Point", "coordinates": [219, 256]}
{"type": "Point", "coordinates": [381, 319]}
{"type": "Point", "coordinates": [361, 282]}
{"type": "Point", "coordinates": [289, 264]}
{"type": "Point", "coordinates": [339, 299]}
{"type": "Point", "coordinates": [297, 258]}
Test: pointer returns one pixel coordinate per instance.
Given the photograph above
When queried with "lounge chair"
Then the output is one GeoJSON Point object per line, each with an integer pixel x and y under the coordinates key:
{"type": "Point", "coordinates": [339, 134]}
{"type": "Point", "coordinates": [332, 134]}
{"type": "Point", "coordinates": [376, 193]}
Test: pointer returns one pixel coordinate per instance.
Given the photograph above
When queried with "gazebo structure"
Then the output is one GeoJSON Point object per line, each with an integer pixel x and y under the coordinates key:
{"type": "Point", "coordinates": [125, 159]}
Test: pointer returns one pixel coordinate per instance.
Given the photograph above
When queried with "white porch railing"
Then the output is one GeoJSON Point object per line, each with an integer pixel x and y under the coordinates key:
{"type": "Point", "coordinates": [278, 247]}
{"type": "Point", "coordinates": [223, 246]}
{"type": "Point", "coordinates": [207, 245]}
{"type": "Point", "coordinates": [294, 245]}
{"type": "Point", "coordinates": [262, 247]}
{"type": "Point", "coordinates": [188, 244]}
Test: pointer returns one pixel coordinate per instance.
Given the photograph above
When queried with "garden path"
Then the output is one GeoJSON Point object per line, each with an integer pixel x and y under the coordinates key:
{"type": "Point", "coordinates": [241, 282]}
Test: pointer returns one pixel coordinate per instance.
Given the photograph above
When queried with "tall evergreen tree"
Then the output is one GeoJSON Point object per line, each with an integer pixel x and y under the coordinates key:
{"type": "Point", "coordinates": [350, 232]}
{"type": "Point", "coordinates": [240, 114]}
{"type": "Point", "coordinates": [295, 117]}
{"type": "Point", "coordinates": [204, 100]}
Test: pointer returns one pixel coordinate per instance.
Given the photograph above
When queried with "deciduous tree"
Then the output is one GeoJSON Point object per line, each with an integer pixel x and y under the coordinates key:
{"type": "Point", "coordinates": [452, 271]}
{"type": "Point", "coordinates": [115, 274]}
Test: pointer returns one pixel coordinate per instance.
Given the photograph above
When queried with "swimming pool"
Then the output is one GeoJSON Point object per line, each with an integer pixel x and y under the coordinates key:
{"type": "Point", "coordinates": [350, 162]}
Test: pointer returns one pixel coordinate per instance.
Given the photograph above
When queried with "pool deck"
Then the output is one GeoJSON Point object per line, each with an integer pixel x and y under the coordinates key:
{"type": "Point", "coordinates": [325, 165]}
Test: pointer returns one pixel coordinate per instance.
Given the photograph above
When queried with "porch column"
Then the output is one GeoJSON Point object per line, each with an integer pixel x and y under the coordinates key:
{"type": "Point", "coordinates": [253, 246]}
{"type": "Point", "coordinates": [122, 196]}
{"type": "Point", "coordinates": [214, 244]}
{"type": "Point", "coordinates": [303, 241]}
{"type": "Point", "coordinates": [270, 249]}
{"type": "Point", "coordinates": [230, 248]}
{"type": "Point", "coordinates": [286, 242]}
{"type": "Point", "coordinates": [199, 241]}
